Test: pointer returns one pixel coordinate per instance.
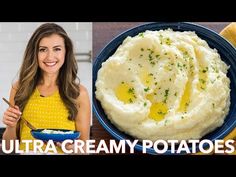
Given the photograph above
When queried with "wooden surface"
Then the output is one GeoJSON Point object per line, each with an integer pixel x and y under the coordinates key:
{"type": "Point", "coordinates": [103, 33]}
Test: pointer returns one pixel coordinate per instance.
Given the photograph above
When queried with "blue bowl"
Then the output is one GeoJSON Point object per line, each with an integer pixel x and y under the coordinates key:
{"type": "Point", "coordinates": [37, 134]}
{"type": "Point", "coordinates": [225, 49]}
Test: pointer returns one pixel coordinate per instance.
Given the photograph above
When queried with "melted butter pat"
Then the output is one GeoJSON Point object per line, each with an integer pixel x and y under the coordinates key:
{"type": "Point", "coordinates": [125, 93]}
{"type": "Point", "coordinates": [146, 78]}
{"type": "Point", "coordinates": [158, 111]}
{"type": "Point", "coordinates": [185, 98]}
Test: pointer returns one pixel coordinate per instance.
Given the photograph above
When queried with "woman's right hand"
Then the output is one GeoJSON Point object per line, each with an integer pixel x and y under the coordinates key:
{"type": "Point", "coordinates": [11, 116]}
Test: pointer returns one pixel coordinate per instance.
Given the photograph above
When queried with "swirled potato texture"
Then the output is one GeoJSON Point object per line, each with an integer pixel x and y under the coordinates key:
{"type": "Point", "coordinates": [164, 85]}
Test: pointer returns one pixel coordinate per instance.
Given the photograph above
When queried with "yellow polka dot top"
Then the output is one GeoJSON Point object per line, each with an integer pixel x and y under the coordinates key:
{"type": "Point", "coordinates": [44, 113]}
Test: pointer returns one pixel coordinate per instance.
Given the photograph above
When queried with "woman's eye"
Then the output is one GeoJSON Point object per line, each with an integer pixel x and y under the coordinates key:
{"type": "Point", "coordinates": [57, 49]}
{"type": "Point", "coordinates": [42, 50]}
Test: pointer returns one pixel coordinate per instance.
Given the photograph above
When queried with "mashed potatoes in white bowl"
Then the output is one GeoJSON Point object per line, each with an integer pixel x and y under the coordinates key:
{"type": "Point", "coordinates": [164, 82]}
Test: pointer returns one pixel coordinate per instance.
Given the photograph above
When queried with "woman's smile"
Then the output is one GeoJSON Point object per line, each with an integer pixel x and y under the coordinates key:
{"type": "Point", "coordinates": [50, 63]}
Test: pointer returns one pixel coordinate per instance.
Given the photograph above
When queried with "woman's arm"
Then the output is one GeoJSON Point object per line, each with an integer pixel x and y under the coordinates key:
{"type": "Point", "coordinates": [83, 117]}
{"type": "Point", "coordinates": [10, 119]}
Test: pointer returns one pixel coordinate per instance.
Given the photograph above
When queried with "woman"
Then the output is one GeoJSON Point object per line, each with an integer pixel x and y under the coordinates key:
{"type": "Point", "coordinates": [47, 93]}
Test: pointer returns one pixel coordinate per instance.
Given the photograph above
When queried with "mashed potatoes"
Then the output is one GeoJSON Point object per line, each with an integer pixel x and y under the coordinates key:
{"type": "Point", "coordinates": [164, 85]}
{"type": "Point", "coordinates": [47, 131]}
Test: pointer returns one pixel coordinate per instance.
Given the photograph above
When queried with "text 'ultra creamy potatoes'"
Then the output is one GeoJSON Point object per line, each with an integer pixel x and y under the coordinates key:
{"type": "Point", "coordinates": [164, 85]}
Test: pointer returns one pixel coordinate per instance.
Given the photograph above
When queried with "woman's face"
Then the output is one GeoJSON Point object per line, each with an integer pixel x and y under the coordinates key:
{"type": "Point", "coordinates": [51, 55]}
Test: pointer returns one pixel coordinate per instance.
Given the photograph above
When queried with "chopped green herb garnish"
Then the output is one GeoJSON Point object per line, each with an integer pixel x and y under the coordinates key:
{"type": "Point", "coordinates": [205, 70]}
{"type": "Point", "coordinates": [187, 104]}
{"type": "Point", "coordinates": [131, 90]}
{"type": "Point", "coordinates": [161, 113]}
{"type": "Point", "coordinates": [141, 34]}
{"type": "Point", "coordinates": [146, 89]}
{"type": "Point", "coordinates": [202, 81]}
{"type": "Point", "coordinates": [168, 41]}
{"type": "Point", "coordinates": [150, 74]}
{"type": "Point", "coordinates": [166, 122]}
{"type": "Point", "coordinates": [166, 95]}
{"type": "Point", "coordinates": [152, 63]}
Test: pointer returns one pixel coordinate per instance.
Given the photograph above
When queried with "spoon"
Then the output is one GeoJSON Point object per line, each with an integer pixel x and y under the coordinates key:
{"type": "Point", "coordinates": [25, 121]}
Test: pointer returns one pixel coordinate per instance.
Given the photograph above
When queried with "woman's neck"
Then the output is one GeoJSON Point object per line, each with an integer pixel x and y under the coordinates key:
{"type": "Point", "coordinates": [47, 85]}
{"type": "Point", "coordinates": [48, 80]}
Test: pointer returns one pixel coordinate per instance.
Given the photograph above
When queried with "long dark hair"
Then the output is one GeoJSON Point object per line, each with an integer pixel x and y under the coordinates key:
{"type": "Point", "coordinates": [29, 74]}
